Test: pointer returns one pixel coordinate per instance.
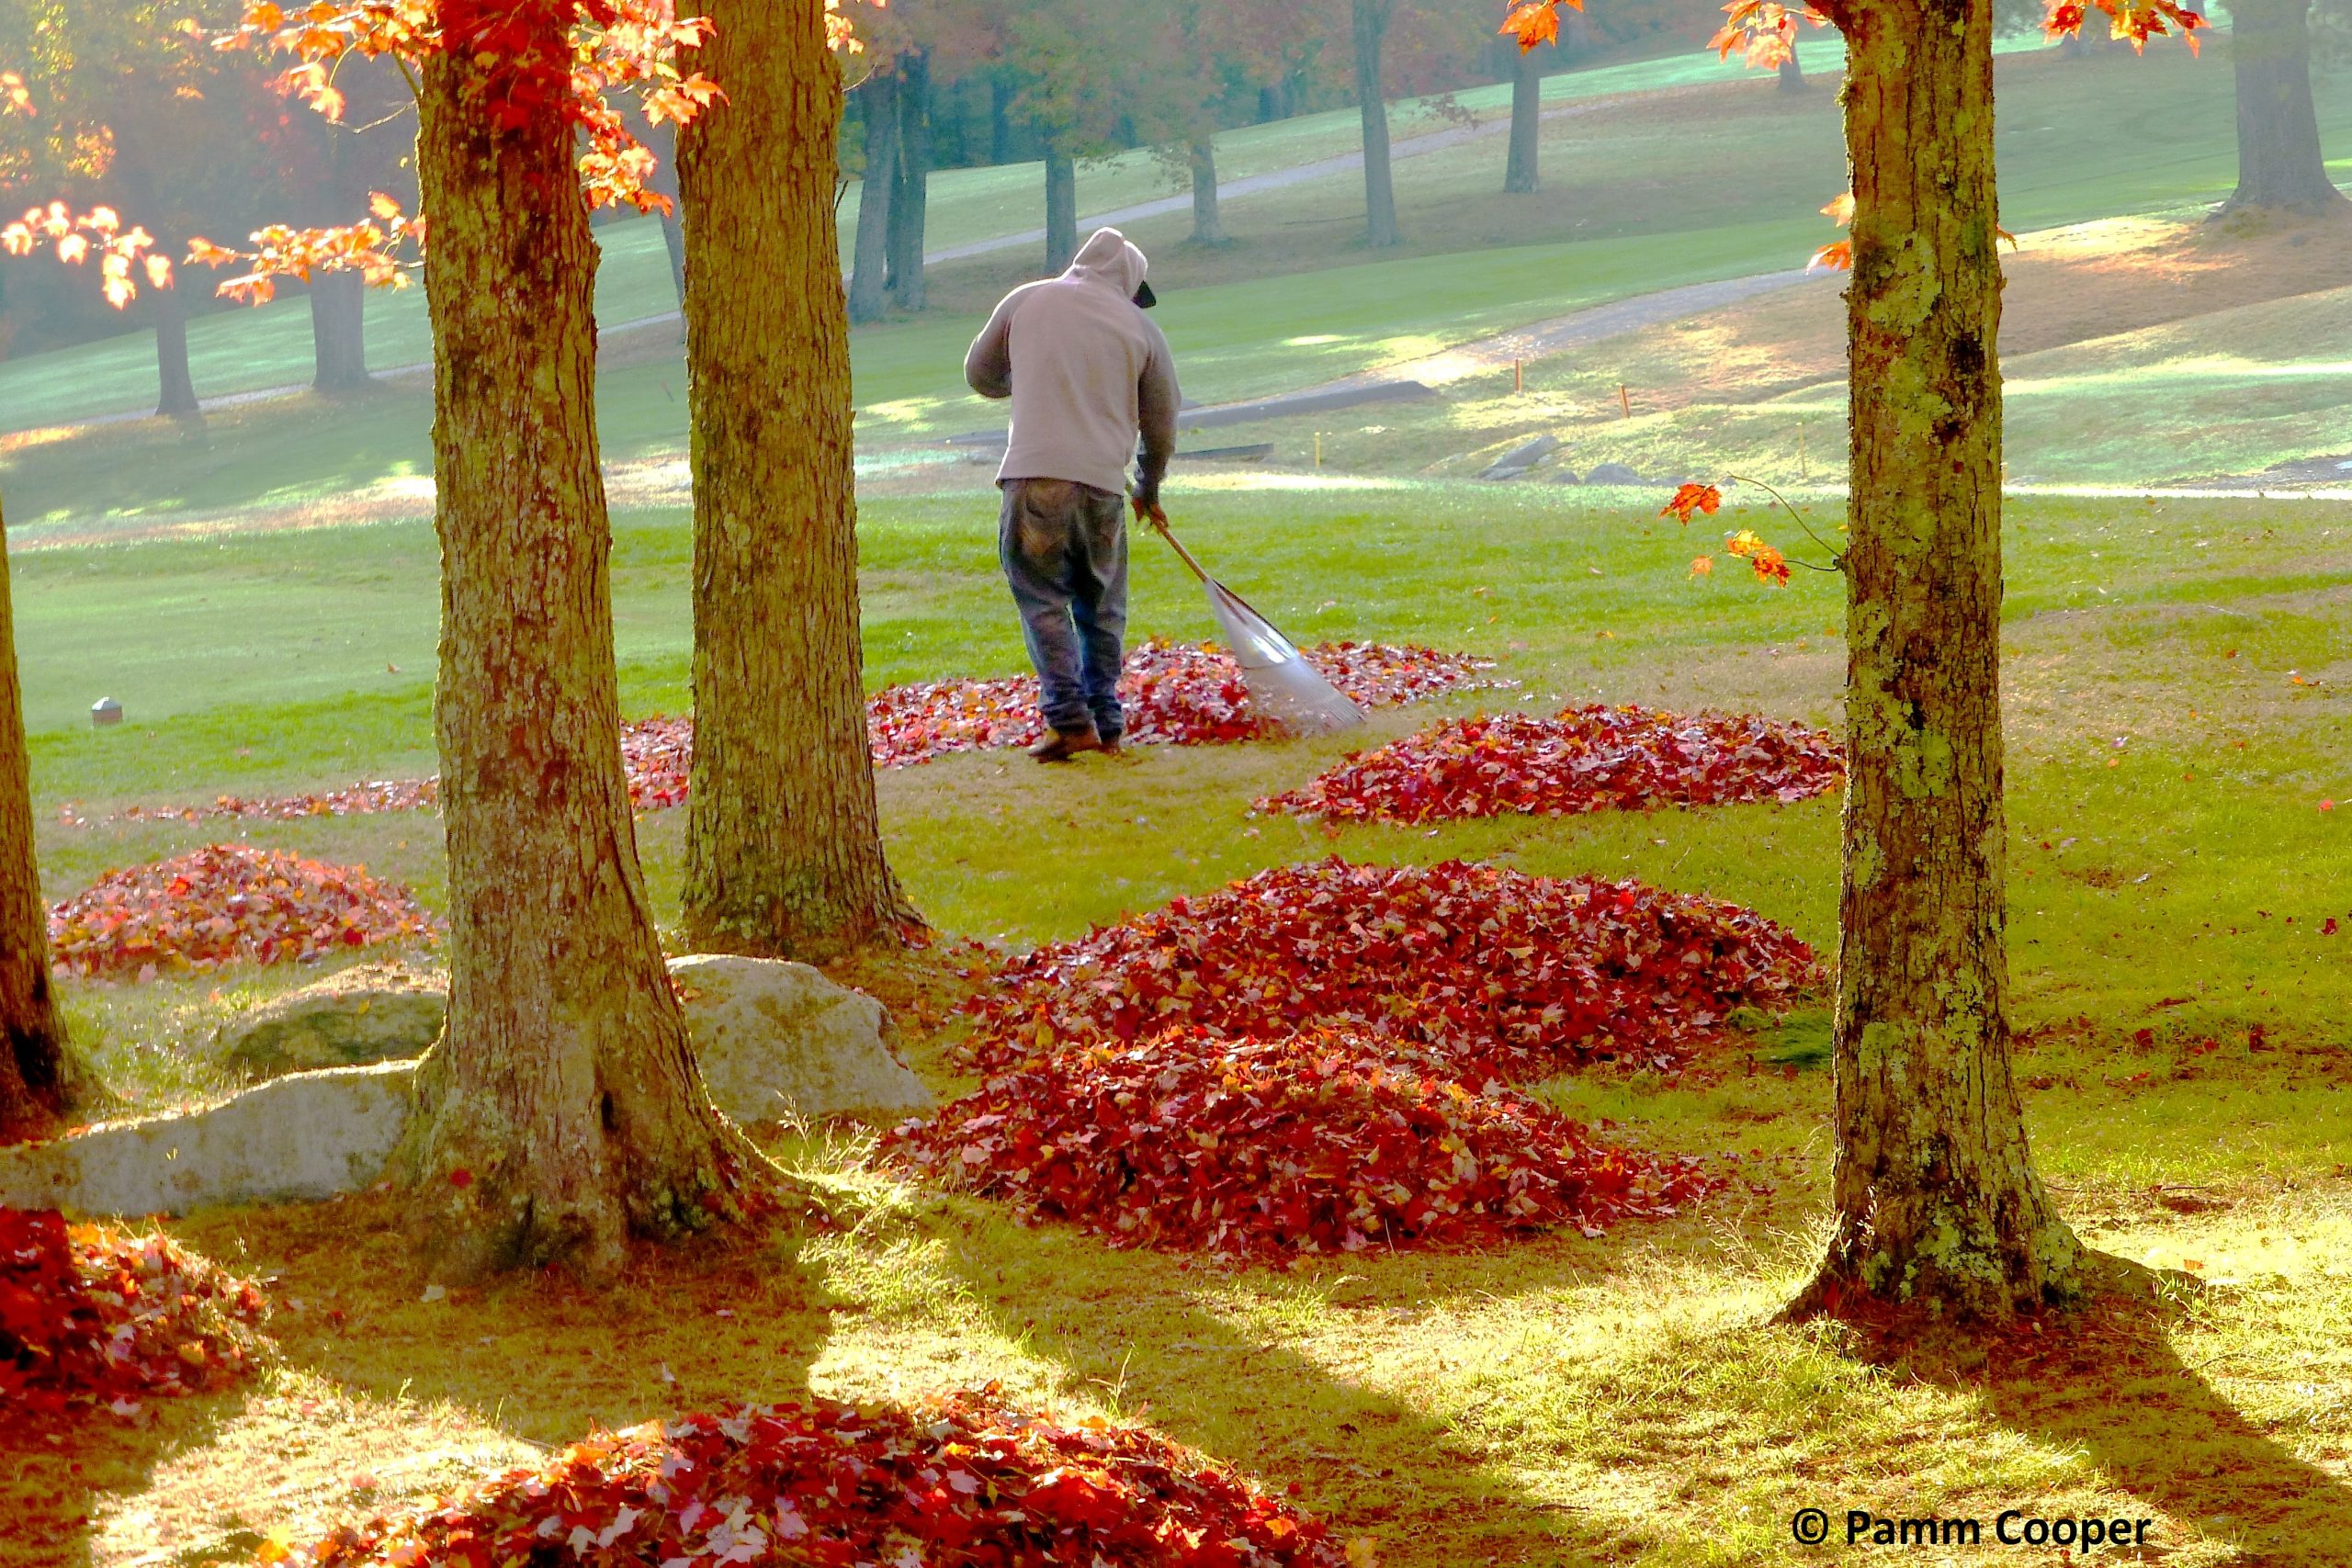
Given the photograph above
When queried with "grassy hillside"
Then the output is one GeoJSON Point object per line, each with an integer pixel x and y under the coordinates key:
{"type": "Point", "coordinates": [1636, 198]}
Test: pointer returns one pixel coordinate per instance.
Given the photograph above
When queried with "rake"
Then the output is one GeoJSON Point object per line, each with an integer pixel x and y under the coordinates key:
{"type": "Point", "coordinates": [1290, 693]}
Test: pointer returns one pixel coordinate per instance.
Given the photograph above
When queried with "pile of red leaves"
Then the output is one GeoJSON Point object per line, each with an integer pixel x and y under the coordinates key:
{"type": "Point", "coordinates": [1588, 759]}
{"type": "Point", "coordinates": [225, 904]}
{"type": "Point", "coordinates": [1176, 693]}
{"type": "Point", "coordinates": [1318, 1143]}
{"type": "Point", "coordinates": [1498, 974]}
{"type": "Point", "coordinates": [89, 1314]}
{"type": "Point", "coordinates": [956, 1482]}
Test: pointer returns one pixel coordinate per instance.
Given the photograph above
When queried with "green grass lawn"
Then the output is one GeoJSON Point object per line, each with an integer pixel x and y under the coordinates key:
{"type": "Point", "coordinates": [2175, 682]}
{"type": "Point", "coordinates": [1635, 200]}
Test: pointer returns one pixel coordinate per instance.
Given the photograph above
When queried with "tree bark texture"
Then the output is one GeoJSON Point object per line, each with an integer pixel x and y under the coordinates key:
{"type": "Point", "coordinates": [561, 1110]}
{"type": "Point", "coordinates": [1937, 1201]}
{"type": "Point", "coordinates": [2280, 162]}
{"type": "Point", "coordinates": [1370, 19]}
{"type": "Point", "coordinates": [783, 839]}
{"type": "Point", "coordinates": [1208, 224]}
{"type": "Point", "coordinates": [910, 191]}
{"type": "Point", "coordinates": [35, 1083]}
{"type": "Point", "coordinates": [1526, 121]}
{"type": "Point", "coordinates": [877, 106]}
{"type": "Point", "coordinates": [1061, 208]}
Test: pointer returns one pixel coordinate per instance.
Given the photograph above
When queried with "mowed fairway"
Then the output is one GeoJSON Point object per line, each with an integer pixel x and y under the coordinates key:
{"type": "Point", "coordinates": [2176, 724]}
{"type": "Point", "coordinates": [1635, 200]}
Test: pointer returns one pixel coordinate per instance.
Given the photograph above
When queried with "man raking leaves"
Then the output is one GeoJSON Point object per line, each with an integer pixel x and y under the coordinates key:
{"type": "Point", "coordinates": [1086, 371]}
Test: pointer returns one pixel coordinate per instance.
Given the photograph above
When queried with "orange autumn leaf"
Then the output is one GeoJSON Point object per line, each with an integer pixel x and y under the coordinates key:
{"type": "Point", "coordinates": [1702, 566]}
{"type": "Point", "coordinates": [1536, 23]}
{"type": "Point", "coordinates": [1693, 499]}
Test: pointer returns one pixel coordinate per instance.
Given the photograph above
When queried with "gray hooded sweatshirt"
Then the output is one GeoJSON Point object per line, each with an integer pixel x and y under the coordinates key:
{"type": "Point", "coordinates": [1086, 371]}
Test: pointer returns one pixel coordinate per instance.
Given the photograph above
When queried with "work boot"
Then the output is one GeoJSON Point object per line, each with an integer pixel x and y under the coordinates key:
{"type": "Point", "coordinates": [1063, 744]}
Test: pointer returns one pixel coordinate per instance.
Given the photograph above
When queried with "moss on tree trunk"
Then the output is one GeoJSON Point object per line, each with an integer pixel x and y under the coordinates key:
{"type": "Point", "coordinates": [1937, 1201]}
{"type": "Point", "coordinates": [783, 842]}
{"type": "Point", "coordinates": [36, 1083]}
{"type": "Point", "coordinates": [561, 1110]}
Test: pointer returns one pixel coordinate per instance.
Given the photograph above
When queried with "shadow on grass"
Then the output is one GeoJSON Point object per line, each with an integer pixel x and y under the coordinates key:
{"type": "Point", "coordinates": [2111, 1384]}
{"type": "Point", "coordinates": [55, 1475]}
{"type": "Point", "coordinates": [1195, 1352]}
{"type": "Point", "coordinates": [386, 1393]}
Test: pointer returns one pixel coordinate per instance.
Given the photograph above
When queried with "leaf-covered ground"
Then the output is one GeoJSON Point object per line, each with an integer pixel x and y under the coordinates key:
{"type": "Point", "coordinates": [957, 1481]}
{"type": "Point", "coordinates": [1495, 974]}
{"type": "Point", "coordinates": [1314, 1143]}
{"type": "Point", "coordinates": [1594, 758]}
{"type": "Point", "coordinates": [227, 904]}
{"type": "Point", "coordinates": [94, 1315]}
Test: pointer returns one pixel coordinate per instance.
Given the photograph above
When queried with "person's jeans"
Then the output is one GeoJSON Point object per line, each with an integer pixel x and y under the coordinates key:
{"type": "Point", "coordinates": [1064, 547]}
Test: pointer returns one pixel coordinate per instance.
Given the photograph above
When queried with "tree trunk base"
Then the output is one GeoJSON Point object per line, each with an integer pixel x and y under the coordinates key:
{"type": "Point", "coordinates": [2103, 1284]}
{"type": "Point", "coordinates": [2031, 1265]}
{"type": "Point", "coordinates": [474, 1210]}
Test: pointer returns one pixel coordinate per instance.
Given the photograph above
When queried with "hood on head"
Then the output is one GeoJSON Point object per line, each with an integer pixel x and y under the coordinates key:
{"type": "Point", "coordinates": [1108, 256]}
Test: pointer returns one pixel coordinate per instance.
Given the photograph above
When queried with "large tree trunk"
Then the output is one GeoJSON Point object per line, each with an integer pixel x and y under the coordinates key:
{"type": "Point", "coordinates": [561, 1110]}
{"type": "Point", "coordinates": [1526, 121]}
{"type": "Point", "coordinates": [784, 839]}
{"type": "Point", "coordinates": [1208, 225]}
{"type": "Point", "coordinates": [339, 333]}
{"type": "Point", "coordinates": [1371, 19]}
{"type": "Point", "coordinates": [1061, 208]}
{"type": "Point", "coordinates": [2280, 163]}
{"type": "Point", "coordinates": [1792, 73]}
{"type": "Point", "coordinates": [35, 1083]}
{"type": "Point", "coordinates": [1937, 1201]}
{"type": "Point", "coordinates": [877, 105]}
{"type": "Point", "coordinates": [910, 194]}
{"type": "Point", "coordinates": [176, 397]}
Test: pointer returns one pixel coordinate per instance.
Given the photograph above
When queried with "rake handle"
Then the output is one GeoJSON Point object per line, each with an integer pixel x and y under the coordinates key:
{"type": "Point", "coordinates": [1182, 553]}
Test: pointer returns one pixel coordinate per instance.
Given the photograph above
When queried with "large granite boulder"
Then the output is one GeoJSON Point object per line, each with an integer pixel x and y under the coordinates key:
{"type": "Point", "coordinates": [777, 1039]}
{"type": "Point", "coordinates": [304, 1137]}
{"type": "Point", "coordinates": [375, 1013]}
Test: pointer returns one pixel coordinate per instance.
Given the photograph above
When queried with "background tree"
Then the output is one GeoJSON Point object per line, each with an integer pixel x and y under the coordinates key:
{"type": "Point", "coordinates": [783, 843]}
{"type": "Point", "coordinates": [137, 114]}
{"type": "Point", "coordinates": [1937, 1204]}
{"type": "Point", "coordinates": [877, 106]}
{"type": "Point", "coordinates": [1520, 174]}
{"type": "Point", "coordinates": [1369, 31]}
{"type": "Point", "coordinates": [2281, 166]}
{"type": "Point", "coordinates": [911, 182]}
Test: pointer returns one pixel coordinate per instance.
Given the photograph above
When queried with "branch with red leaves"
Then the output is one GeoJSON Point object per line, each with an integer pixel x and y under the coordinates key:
{"type": "Point", "coordinates": [1769, 564]}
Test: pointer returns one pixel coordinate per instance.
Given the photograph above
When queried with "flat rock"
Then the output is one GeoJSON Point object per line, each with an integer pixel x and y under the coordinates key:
{"type": "Point", "coordinates": [301, 1138]}
{"type": "Point", "coordinates": [1613, 474]}
{"type": "Point", "coordinates": [777, 1039]}
{"type": "Point", "coordinates": [375, 1013]}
